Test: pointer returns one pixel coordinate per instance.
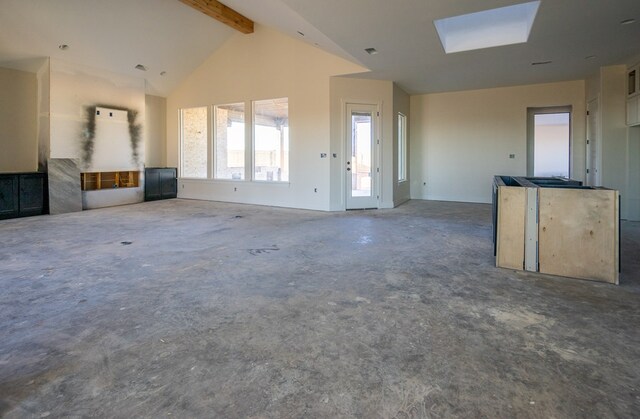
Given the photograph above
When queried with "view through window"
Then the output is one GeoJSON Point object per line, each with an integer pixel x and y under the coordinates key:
{"type": "Point", "coordinates": [229, 141]}
{"type": "Point", "coordinates": [271, 140]}
{"type": "Point", "coordinates": [193, 124]}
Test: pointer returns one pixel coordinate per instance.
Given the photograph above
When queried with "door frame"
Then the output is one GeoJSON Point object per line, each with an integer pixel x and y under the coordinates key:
{"type": "Point", "coordinates": [376, 150]}
{"type": "Point", "coordinates": [531, 112]}
{"type": "Point", "coordinates": [593, 144]}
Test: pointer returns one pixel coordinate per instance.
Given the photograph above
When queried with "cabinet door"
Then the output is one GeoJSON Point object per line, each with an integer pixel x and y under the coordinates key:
{"type": "Point", "coordinates": [169, 183]}
{"type": "Point", "coordinates": [632, 81]}
{"type": "Point", "coordinates": [151, 184]}
{"type": "Point", "coordinates": [31, 194]}
{"type": "Point", "coordinates": [9, 196]}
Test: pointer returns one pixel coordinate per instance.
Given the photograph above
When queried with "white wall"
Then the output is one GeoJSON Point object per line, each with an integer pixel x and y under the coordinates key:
{"type": "Point", "coordinates": [18, 119]}
{"type": "Point", "coordinates": [633, 175]}
{"type": "Point", "coordinates": [460, 140]}
{"type": "Point", "coordinates": [266, 65]}
{"type": "Point", "coordinates": [155, 131]}
{"type": "Point", "coordinates": [352, 90]}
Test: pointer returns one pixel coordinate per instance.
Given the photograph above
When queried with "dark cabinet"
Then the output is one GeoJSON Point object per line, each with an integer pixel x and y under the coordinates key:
{"type": "Point", "coordinates": [23, 194]}
{"type": "Point", "coordinates": [160, 183]}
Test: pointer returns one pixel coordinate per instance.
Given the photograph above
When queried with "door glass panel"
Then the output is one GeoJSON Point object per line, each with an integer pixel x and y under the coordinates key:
{"type": "Point", "coordinates": [361, 136]}
{"type": "Point", "coordinates": [551, 144]}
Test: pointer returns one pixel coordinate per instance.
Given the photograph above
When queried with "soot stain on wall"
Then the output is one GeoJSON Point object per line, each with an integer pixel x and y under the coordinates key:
{"type": "Point", "coordinates": [89, 132]}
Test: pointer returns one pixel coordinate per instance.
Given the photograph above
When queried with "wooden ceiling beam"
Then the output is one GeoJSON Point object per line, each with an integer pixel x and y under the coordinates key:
{"type": "Point", "coordinates": [222, 13]}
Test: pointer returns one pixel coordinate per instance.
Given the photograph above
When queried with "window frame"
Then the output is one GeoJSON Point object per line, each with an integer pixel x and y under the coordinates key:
{"type": "Point", "coordinates": [249, 141]}
{"type": "Point", "coordinates": [402, 148]}
{"type": "Point", "coordinates": [214, 143]}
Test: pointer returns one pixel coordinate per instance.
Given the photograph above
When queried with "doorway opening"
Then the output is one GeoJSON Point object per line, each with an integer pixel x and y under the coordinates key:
{"type": "Point", "coordinates": [549, 142]}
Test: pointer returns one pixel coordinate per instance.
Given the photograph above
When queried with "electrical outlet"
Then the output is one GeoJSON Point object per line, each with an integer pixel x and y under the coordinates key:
{"type": "Point", "coordinates": [323, 155]}
{"type": "Point", "coordinates": [512, 156]}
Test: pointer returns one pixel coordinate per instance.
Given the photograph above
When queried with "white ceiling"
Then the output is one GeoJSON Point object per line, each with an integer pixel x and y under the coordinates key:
{"type": "Point", "coordinates": [410, 53]}
{"type": "Point", "coordinates": [115, 35]}
{"type": "Point", "coordinates": [166, 35]}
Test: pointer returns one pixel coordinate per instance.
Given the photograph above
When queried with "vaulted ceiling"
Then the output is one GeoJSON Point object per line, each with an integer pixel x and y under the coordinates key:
{"type": "Point", "coordinates": [577, 36]}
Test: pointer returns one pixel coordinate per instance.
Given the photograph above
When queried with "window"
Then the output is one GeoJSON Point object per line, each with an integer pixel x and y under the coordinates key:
{"type": "Point", "coordinates": [229, 141]}
{"type": "Point", "coordinates": [271, 140]}
{"type": "Point", "coordinates": [402, 147]}
{"type": "Point", "coordinates": [193, 125]}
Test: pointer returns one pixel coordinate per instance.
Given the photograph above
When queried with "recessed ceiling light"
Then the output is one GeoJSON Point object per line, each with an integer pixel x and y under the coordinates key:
{"type": "Point", "coordinates": [489, 28]}
{"type": "Point", "coordinates": [141, 67]}
{"type": "Point", "coordinates": [627, 21]}
{"type": "Point", "coordinates": [163, 73]}
{"type": "Point", "coordinates": [541, 62]}
{"type": "Point", "coordinates": [589, 57]}
{"type": "Point", "coordinates": [63, 47]}
{"type": "Point", "coordinates": [371, 51]}
{"type": "Point", "coordinates": [300, 33]}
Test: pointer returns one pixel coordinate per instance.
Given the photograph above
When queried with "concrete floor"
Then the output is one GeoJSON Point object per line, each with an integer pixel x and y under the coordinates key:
{"type": "Point", "coordinates": [200, 309]}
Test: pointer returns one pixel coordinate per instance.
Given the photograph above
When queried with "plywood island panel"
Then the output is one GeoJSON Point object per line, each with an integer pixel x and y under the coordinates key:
{"type": "Point", "coordinates": [511, 227]}
{"type": "Point", "coordinates": [578, 233]}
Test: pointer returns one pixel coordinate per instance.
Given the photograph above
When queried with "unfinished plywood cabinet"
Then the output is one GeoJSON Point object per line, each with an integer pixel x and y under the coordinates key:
{"type": "Point", "coordinates": [579, 233]}
{"type": "Point", "coordinates": [510, 227]}
{"type": "Point", "coordinates": [91, 181]}
{"type": "Point", "coordinates": [556, 226]}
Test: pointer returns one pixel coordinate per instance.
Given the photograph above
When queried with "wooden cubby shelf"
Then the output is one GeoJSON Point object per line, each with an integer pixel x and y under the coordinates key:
{"type": "Point", "coordinates": [92, 181]}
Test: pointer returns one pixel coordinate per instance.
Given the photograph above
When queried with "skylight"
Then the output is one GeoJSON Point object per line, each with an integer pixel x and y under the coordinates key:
{"type": "Point", "coordinates": [489, 28]}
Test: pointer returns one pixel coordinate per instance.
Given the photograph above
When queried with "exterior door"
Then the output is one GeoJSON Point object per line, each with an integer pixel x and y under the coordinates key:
{"type": "Point", "coordinates": [361, 165]}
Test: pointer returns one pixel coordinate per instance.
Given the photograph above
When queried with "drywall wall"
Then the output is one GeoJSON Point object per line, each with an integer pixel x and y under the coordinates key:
{"type": "Point", "coordinates": [401, 104]}
{"type": "Point", "coordinates": [44, 114]}
{"type": "Point", "coordinates": [633, 175]}
{"type": "Point", "coordinates": [18, 119]}
{"type": "Point", "coordinates": [346, 90]}
{"type": "Point", "coordinates": [155, 131]}
{"type": "Point", "coordinates": [618, 145]}
{"type": "Point", "coordinates": [98, 118]}
{"type": "Point", "coordinates": [460, 140]}
{"type": "Point", "coordinates": [76, 91]}
{"type": "Point", "coordinates": [266, 65]}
